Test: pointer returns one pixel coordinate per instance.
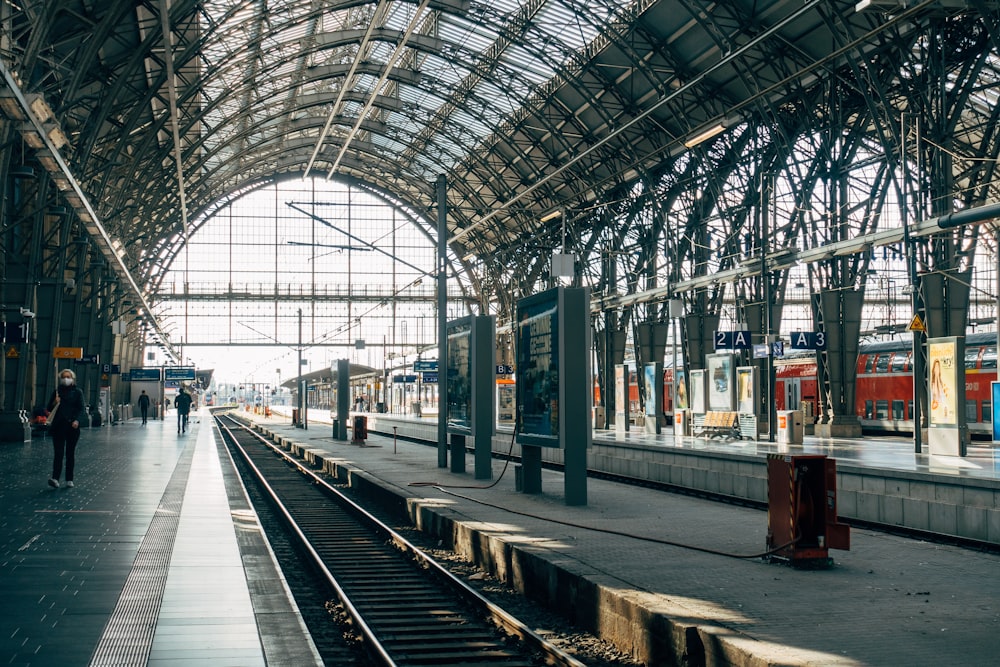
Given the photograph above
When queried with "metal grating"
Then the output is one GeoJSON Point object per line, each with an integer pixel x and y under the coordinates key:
{"type": "Point", "coordinates": [128, 635]}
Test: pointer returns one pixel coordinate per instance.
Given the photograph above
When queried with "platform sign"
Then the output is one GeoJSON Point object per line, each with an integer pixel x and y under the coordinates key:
{"type": "Point", "coordinates": [144, 375]}
{"type": "Point", "coordinates": [88, 359]}
{"type": "Point", "coordinates": [424, 366]}
{"type": "Point", "coordinates": [732, 340]}
{"type": "Point", "coordinates": [179, 373]}
{"type": "Point", "coordinates": [538, 368]}
{"type": "Point", "coordinates": [67, 352]}
{"type": "Point", "coordinates": [808, 340]}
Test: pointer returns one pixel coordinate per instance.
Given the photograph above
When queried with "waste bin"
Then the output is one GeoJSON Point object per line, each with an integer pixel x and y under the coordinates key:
{"type": "Point", "coordinates": [360, 429]}
{"type": "Point", "coordinates": [295, 415]}
{"type": "Point", "coordinates": [802, 509]}
{"type": "Point", "coordinates": [682, 422]}
{"type": "Point", "coordinates": [790, 430]}
{"type": "Point", "coordinates": [600, 420]}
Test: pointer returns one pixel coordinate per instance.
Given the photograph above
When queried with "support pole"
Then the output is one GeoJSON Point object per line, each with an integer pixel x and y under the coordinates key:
{"type": "Point", "coordinates": [442, 314]}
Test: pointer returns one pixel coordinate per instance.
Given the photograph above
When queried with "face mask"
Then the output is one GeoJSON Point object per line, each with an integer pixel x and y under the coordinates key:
{"type": "Point", "coordinates": [66, 382]}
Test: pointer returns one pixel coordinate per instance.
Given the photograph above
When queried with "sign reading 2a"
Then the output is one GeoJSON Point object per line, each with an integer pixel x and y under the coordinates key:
{"type": "Point", "coordinates": [732, 340]}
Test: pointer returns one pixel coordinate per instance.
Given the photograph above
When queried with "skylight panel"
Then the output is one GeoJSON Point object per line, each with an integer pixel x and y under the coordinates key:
{"type": "Point", "coordinates": [568, 26]}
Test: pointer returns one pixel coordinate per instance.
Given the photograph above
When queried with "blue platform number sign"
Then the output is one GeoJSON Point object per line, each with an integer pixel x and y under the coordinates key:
{"type": "Point", "coordinates": [808, 340]}
{"type": "Point", "coordinates": [732, 340]}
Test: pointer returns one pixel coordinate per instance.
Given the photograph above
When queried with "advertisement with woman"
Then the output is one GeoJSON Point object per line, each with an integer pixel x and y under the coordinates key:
{"type": "Point", "coordinates": [943, 363]}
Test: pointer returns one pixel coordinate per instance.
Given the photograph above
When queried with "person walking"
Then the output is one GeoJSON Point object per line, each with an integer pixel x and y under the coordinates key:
{"type": "Point", "coordinates": [66, 413]}
{"type": "Point", "coordinates": [183, 405]}
{"type": "Point", "coordinates": [144, 406]}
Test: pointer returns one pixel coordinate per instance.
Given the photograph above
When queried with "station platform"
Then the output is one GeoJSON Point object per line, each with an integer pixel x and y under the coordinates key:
{"type": "Point", "coordinates": [645, 569]}
{"type": "Point", "coordinates": [153, 558]}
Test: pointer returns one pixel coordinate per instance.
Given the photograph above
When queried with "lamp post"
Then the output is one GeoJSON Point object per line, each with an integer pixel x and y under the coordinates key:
{"type": "Point", "coordinates": [302, 385]}
{"type": "Point", "coordinates": [911, 265]}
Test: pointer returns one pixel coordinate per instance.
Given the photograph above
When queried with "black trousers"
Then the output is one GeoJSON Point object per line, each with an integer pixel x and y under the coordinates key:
{"type": "Point", "coordinates": [64, 443]}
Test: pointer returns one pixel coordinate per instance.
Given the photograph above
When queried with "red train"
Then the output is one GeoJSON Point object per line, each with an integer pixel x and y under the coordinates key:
{"type": "Point", "coordinates": [884, 394]}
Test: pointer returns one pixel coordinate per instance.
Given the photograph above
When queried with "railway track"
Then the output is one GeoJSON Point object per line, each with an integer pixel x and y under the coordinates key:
{"type": "Point", "coordinates": [404, 608]}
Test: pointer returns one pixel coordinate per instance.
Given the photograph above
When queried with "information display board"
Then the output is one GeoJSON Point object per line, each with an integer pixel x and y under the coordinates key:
{"type": "Point", "coordinates": [145, 375]}
{"type": "Point", "coordinates": [460, 376]}
{"type": "Point", "coordinates": [179, 373]}
{"type": "Point", "coordinates": [538, 369]}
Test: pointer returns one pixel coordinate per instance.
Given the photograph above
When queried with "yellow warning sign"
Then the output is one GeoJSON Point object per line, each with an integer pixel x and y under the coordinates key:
{"type": "Point", "coordinates": [917, 324]}
{"type": "Point", "coordinates": [12, 353]}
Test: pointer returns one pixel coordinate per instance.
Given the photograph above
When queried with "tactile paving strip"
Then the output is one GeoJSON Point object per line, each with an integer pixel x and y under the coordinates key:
{"type": "Point", "coordinates": [128, 635]}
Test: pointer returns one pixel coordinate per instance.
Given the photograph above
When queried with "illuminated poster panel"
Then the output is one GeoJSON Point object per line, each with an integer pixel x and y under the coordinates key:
{"type": "Point", "coordinates": [995, 393]}
{"type": "Point", "coordinates": [721, 378]}
{"type": "Point", "coordinates": [699, 404]}
{"type": "Point", "coordinates": [943, 363]}
{"type": "Point", "coordinates": [460, 376]}
{"type": "Point", "coordinates": [649, 378]}
{"type": "Point", "coordinates": [681, 392]}
{"type": "Point", "coordinates": [621, 398]}
{"type": "Point", "coordinates": [538, 369]}
{"type": "Point", "coordinates": [746, 389]}
{"type": "Point", "coordinates": [506, 401]}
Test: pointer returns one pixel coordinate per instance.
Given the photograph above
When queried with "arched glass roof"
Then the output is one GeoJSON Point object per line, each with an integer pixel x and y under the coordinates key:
{"type": "Point", "coordinates": [524, 106]}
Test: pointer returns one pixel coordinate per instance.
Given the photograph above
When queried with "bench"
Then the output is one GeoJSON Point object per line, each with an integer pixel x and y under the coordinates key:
{"type": "Point", "coordinates": [716, 423]}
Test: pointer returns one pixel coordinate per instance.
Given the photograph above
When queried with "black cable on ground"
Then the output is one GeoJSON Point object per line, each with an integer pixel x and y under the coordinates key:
{"type": "Point", "coordinates": [444, 489]}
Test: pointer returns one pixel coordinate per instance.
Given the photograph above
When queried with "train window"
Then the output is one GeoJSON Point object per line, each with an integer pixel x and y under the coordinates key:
{"type": "Point", "coordinates": [881, 409]}
{"type": "Point", "coordinates": [898, 362]}
{"type": "Point", "coordinates": [868, 409]}
{"type": "Point", "coordinates": [972, 356]}
{"type": "Point", "coordinates": [869, 362]}
{"type": "Point", "coordinates": [989, 357]}
{"type": "Point", "coordinates": [897, 410]}
{"type": "Point", "coordinates": [987, 412]}
{"type": "Point", "coordinates": [970, 412]}
{"type": "Point", "coordinates": [882, 364]}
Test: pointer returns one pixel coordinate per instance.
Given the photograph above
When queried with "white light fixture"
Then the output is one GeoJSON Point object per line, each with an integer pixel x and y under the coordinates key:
{"type": "Point", "coordinates": [11, 107]}
{"type": "Point", "coordinates": [56, 135]}
{"type": "Point", "coordinates": [705, 135]}
{"type": "Point", "coordinates": [39, 107]}
{"type": "Point", "coordinates": [31, 136]}
{"type": "Point", "coordinates": [551, 215]}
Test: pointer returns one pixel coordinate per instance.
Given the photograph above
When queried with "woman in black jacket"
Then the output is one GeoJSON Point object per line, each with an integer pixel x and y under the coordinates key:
{"type": "Point", "coordinates": [64, 426]}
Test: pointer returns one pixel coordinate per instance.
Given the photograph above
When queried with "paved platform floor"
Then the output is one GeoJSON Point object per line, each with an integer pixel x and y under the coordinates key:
{"type": "Point", "coordinates": [636, 565]}
{"type": "Point", "coordinates": [147, 562]}
{"type": "Point", "coordinates": [154, 558]}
